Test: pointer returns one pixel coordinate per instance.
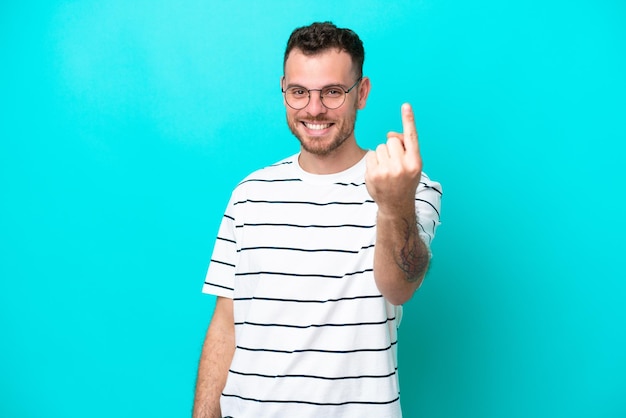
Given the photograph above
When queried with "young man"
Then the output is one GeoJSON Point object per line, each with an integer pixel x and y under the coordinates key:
{"type": "Point", "coordinates": [316, 254]}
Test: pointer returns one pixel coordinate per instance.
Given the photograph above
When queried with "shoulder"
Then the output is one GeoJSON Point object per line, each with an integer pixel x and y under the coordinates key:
{"type": "Point", "coordinates": [280, 171]}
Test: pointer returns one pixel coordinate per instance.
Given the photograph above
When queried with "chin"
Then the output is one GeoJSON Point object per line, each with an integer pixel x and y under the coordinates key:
{"type": "Point", "coordinates": [320, 147]}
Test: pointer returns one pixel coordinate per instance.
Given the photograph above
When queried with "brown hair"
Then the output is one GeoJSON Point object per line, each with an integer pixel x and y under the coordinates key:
{"type": "Point", "coordinates": [321, 36]}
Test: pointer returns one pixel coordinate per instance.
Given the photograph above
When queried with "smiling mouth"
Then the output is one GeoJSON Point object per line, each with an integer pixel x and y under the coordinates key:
{"type": "Point", "coordinates": [317, 126]}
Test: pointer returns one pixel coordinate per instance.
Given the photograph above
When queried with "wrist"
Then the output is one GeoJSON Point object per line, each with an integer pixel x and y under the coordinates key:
{"type": "Point", "coordinates": [405, 211]}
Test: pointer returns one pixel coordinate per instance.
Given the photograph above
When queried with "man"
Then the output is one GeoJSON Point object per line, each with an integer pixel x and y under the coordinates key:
{"type": "Point", "coordinates": [316, 254]}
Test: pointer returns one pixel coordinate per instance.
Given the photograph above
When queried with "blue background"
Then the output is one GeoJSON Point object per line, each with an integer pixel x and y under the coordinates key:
{"type": "Point", "coordinates": [125, 125]}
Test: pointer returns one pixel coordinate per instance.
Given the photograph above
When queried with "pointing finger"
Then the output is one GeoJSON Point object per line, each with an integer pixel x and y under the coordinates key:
{"type": "Point", "coordinates": [408, 127]}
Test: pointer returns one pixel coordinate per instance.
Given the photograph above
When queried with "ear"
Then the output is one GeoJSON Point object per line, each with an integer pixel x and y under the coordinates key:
{"type": "Point", "coordinates": [282, 84]}
{"type": "Point", "coordinates": [364, 91]}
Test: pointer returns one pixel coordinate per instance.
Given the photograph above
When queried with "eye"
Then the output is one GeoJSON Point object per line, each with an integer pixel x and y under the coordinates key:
{"type": "Point", "coordinates": [298, 92]}
{"type": "Point", "coordinates": [333, 92]}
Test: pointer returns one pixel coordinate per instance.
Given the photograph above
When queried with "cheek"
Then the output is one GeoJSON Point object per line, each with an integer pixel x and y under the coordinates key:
{"type": "Point", "coordinates": [290, 116]}
{"type": "Point", "coordinates": [292, 113]}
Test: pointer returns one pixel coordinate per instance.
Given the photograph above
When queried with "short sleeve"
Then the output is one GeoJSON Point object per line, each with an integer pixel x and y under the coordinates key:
{"type": "Point", "coordinates": [428, 208]}
{"type": "Point", "coordinates": [220, 277]}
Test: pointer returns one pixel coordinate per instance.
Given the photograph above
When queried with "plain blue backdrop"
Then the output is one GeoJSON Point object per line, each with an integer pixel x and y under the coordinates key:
{"type": "Point", "coordinates": [124, 126]}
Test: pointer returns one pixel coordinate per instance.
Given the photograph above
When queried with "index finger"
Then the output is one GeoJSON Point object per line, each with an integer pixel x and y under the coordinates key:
{"type": "Point", "coordinates": [408, 128]}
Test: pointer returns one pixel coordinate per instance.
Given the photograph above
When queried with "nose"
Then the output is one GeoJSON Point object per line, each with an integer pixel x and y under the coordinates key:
{"type": "Point", "coordinates": [315, 106]}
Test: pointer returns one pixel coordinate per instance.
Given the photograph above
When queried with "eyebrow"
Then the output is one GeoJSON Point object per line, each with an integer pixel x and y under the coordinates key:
{"type": "Point", "coordinates": [292, 85]}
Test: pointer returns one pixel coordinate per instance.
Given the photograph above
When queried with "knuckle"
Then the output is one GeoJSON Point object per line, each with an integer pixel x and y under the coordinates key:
{"type": "Point", "coordinates": [394, 141]}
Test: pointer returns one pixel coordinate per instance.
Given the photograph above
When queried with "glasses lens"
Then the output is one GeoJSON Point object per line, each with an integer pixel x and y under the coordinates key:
{"type": "Point", "coordinates": [333, 97]}
{"type": "Point", "coordinates": [297, 97]}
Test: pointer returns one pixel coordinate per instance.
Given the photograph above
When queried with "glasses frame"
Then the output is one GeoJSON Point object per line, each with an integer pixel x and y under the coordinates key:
{"type": "Point", "coordinates": [284, 91]}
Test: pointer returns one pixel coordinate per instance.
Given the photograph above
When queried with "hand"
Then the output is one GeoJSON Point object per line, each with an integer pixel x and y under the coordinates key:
{"type": "Point", "coordinates": [394, 170]}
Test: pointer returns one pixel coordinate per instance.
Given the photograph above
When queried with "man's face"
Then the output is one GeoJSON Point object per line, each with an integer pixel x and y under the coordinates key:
{"type": "Point", "coordinates": [321, 130]}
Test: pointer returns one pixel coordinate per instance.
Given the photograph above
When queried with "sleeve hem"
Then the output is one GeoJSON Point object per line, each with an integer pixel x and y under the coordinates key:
{"type": "Point", "coordinates": [211, 289]}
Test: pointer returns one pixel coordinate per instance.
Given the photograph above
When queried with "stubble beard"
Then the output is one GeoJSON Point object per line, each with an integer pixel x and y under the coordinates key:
{"type": "Point", "coordinates": [320, 146]}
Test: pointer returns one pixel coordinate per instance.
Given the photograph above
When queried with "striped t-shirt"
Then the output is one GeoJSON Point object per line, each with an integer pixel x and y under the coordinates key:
{"type": "Point", "coordinates": [314, 336]}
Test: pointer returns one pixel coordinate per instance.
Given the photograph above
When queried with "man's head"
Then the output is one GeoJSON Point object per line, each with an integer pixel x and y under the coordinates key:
{"type": "Point", "coordinates": [323, 88]}
{"type": "Point", "coordinates": [320, 37]}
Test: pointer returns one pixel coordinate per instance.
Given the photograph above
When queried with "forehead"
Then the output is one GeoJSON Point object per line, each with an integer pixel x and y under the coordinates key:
{"type": "Point", "coordinates": [328, 67]}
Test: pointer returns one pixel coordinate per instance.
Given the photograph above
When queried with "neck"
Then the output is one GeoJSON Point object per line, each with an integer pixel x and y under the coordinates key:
{"type": "Point", "coordinates": [334, 162]}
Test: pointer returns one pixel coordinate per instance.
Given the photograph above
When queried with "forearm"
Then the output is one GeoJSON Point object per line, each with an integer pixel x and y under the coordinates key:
{"type": "Point", "coordinates": [400, 257]}
{"type": "Point", "coordinates": [217, 354]}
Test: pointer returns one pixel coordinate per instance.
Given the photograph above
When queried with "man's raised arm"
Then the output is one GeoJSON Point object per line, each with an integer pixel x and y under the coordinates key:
{"type": "Point", "coordinates": [393, 173]}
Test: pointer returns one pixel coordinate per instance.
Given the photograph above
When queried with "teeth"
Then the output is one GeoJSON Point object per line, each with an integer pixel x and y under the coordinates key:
{"type": "Point", "coordinates": [317, 126]}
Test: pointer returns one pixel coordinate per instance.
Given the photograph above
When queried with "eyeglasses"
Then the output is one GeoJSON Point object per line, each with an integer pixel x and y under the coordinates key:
{"type": "Point", "coordinates": [332, 97]}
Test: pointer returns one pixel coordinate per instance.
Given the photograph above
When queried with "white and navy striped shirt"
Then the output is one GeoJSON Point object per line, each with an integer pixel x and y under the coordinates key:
{"type": "Point", "coordinates": [314, 336]}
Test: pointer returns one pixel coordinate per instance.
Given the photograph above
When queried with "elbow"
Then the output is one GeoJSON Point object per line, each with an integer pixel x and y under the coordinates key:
{"type": "Point", "coordinates": [401, 294]}
{"type": "Point", "coordinates": [398, 300]}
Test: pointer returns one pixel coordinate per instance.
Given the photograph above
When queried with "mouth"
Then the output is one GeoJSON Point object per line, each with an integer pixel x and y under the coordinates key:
{"type": "Point", "coordinates": [316, 127]}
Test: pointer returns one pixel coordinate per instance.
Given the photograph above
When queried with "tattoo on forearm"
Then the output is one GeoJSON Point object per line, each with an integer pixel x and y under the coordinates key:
{"type": "Point", "coordinates": [412, 259]}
